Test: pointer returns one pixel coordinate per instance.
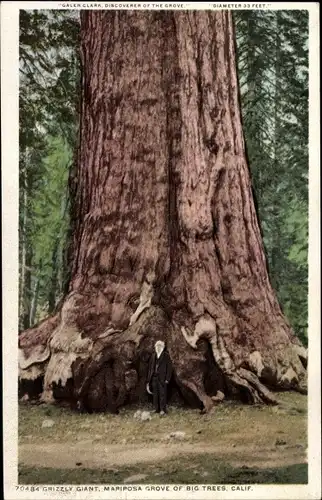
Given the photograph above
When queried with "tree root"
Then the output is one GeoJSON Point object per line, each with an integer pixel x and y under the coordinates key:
{"type": "Point", "coordinates": [106, 371]}
{"type": "Point", "coordinates": [34, 350]}
{"type": "Point", "coordinates": [257, 387]}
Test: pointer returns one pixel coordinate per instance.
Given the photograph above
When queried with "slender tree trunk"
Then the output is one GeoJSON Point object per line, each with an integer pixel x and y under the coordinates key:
{"type": "Point", "coordinates": [275, 265]}
{"type": "Point", "coordinates": [34, 301]}
{"type": "Point", "coordinates": [25, 254]}
{"type": "Point", "coordinates": [27, 286]}
{"type": "Point", "coordinates": [166, 239]}
{"type": "Point", "coordinates": [57, 275]}
{"type": "Point", "coordinates": [22, 242]}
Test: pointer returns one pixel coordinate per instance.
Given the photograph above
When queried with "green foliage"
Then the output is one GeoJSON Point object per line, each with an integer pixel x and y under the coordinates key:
{"type": "Point", "coordinates": [48, 120]}
{"type": "Point", "coordinates": [49, 73]}
{"type": "Point", "coordinates": [273, 74]}
{"type": "Point", "coordinates": [50, 223]}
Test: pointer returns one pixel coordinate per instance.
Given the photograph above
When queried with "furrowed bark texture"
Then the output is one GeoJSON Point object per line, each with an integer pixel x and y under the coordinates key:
{"type": "Point", "coordinates": [166, 239]}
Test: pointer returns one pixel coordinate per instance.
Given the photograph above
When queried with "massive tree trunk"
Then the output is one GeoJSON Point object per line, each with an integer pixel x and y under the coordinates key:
{"type": "Point", "coordinates": [166, 240]}
{"type": "Point", "coordinates": [52, 292]}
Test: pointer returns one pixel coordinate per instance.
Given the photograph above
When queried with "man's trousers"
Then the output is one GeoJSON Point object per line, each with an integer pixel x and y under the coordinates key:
{"type": "Point", "coordinates": [159, 390]}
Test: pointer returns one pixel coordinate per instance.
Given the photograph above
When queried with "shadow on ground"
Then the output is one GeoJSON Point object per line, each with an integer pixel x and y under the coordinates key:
{"type": "Point", "coordinates": [170, 472]}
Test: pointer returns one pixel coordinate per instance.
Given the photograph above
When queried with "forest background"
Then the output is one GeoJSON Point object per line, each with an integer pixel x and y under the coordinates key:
{"type": "Point", "coordinates": [272, 50]}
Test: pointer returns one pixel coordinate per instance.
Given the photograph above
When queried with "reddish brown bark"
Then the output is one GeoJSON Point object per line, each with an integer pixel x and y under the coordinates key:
{"type": "Point", "coordinates": [166, 239]}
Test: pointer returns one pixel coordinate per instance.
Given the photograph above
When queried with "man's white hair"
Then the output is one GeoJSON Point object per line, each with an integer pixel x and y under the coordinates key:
{"type": "Point", "coordinates": [159, 343]}
{"type": "Point", "coordinates": [159, 347]}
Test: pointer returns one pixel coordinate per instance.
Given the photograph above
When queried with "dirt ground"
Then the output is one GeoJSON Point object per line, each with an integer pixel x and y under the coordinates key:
{"type": "Point", "coordinates": [239, 435]}
{"type": "Point", "coordinates": [100, 456]}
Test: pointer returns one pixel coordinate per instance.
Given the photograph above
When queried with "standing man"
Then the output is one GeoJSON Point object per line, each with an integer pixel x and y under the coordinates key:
{"type": "Point", "coordinates": [159, 375]}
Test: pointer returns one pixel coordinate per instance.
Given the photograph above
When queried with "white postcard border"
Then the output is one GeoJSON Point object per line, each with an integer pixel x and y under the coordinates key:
{"type": "Point", "coordinates": [10, 177]}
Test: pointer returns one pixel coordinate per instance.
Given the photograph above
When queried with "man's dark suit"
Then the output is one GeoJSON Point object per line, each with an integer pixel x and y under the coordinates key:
{"type": "Point", "coordinates": [159, 375]}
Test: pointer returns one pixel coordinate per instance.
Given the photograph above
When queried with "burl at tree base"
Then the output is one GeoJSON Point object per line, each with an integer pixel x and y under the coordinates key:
{"type": "Point", "coordinates": [166, 241]}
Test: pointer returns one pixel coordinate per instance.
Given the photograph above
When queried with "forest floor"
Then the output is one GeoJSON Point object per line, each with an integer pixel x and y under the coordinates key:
{"type": "Point", "coordinates": [233, 444]}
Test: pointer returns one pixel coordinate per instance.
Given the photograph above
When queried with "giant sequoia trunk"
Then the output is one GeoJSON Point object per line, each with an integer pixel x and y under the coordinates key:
{"type": "Point", "coordinates": [166, 240]}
